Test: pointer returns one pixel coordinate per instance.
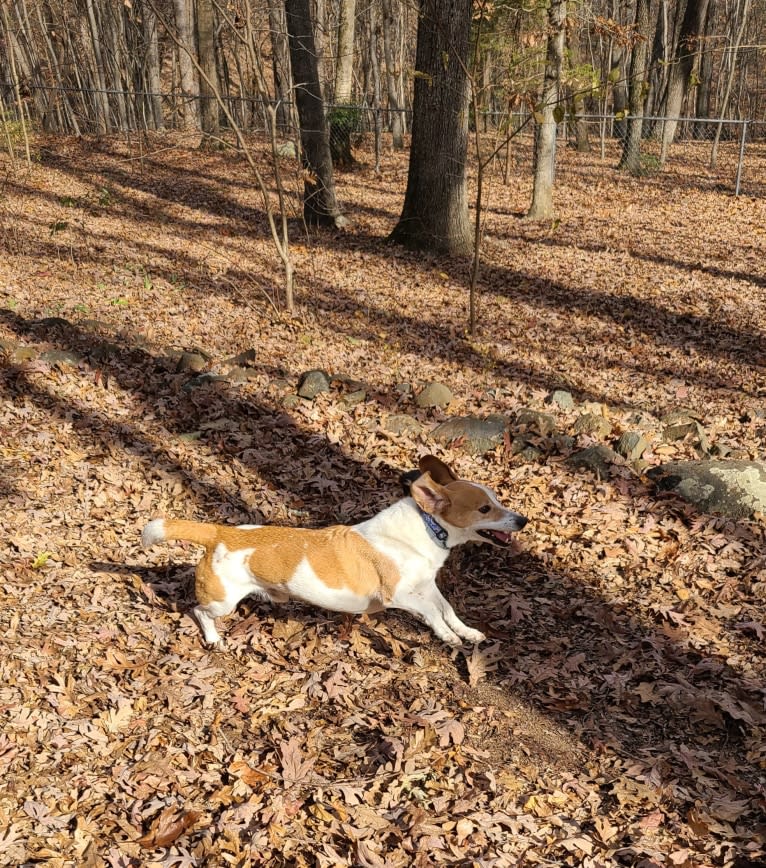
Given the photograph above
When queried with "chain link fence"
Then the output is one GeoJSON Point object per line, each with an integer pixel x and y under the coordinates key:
{"type": "Point", "coordinates": [718, 154]}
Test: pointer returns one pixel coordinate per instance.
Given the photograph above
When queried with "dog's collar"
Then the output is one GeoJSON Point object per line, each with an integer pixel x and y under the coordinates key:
{"type": "Point", "coordinates": [435, 530]}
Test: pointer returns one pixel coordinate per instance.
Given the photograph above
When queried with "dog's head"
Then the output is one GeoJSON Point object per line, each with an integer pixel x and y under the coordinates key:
{"type": "Point", "coordinates": [470, 512]}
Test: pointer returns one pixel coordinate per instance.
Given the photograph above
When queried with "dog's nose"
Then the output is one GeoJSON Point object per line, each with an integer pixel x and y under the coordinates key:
{"type": "Point", "coordinates": [520, 521]}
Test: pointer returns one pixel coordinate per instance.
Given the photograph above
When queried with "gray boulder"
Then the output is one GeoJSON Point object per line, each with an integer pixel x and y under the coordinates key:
{"type": "Point", "coordinates": [598, 459]}
{"type": "Point", "coordinates": [592, 423]}
{"type": "Point", "coordinates": [434, 395]}
{"type": "Point", "coordinates": [476, 435]}
{"type": "Point", "coordinates": [735, 489]}
{"type": "Point", "coordinates": [561, 398]}
{"type": "Point", "coordinates": [540, 423]}
{"type": "Point", "coordinates": [312, 383]}
{"type": "Point", "coordinates": [401, 423]}
{"type": "Point", "coordinates": [632, 445]}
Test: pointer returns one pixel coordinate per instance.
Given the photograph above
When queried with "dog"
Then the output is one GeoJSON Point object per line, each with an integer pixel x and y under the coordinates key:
{"type": "Point", "coordinates": [388, 561]}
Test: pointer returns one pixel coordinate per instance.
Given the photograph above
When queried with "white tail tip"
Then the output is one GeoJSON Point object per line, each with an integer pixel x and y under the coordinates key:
{"type": "Point", "coordinates": [154, 532]}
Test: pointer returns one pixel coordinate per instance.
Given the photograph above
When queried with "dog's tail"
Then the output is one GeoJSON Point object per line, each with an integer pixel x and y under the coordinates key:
{"type": "Point", "coordinates": [165, 529]}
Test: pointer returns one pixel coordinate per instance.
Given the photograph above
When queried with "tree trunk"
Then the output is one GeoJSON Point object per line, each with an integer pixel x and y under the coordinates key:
{"type": "Point", "coordinates": [395, 107]}
{"type": "Point", "coordinates": [280, 60]}
{"type": "Point", "coordinates": [687, 47]}
{"type": "Point", "coordinates": [545, 144]}
{"type": "Point", "coordinates": [344, 66]}
{"type": "Point", "coordinates": [619, 93]}
{"type": "Point", "coordinates": [702, 101]}
{"type": "Point", "coordinates": [742, 10]}
{"type": "Point", "coordinates": [320, 207]}
{"type": "Point", "coordinates": [188, 75]}
{"type": "Point", "coordinates": [631, 152]}
{"type": "Point", "coordinates": [576, 95]}
{"type": "Point", "coordinates": [101, 99]}
{"type": "Point", "coordinates": [343, 117]}
{"type": "Point", "coordinates": [658, 62]}
{"type": "Point", "coordinates": [152, 65]}
{"type": "Point", "coordinates": [435, 212]}
{"type": "Point", "coordinates": [209, 111]}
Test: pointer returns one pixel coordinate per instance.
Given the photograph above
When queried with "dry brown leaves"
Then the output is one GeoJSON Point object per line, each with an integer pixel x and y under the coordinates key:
{"type": "Point", "coordinates": [616, 716]}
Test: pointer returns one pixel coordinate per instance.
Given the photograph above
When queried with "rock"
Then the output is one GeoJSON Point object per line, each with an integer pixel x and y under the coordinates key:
{"type": "Point", "coordinates": [287, 150]}
{"type": "Point", "coordinates": [403, 389]}
{"type": "Point", "coordinates": [16, 355]}
{"type": "Point", "coordinates": [520, 448]}
{"type": "Point", "coordinates": [597, 458]}
{"type": "Point", "coordinates": [245, 359]}
{"type": "Point", "coordinates": [353, 398]}
{"type": "Point", "coordinates": [542, 423]}
{"type": "Point", "coordinates": [401, 423]}
{"type": "Point", "coordinates": [240, 375]}
{"type": "Point", "coordinates": [562, 399]}
{"type": "Point", "coordinates": [434, 395]}
{"type": "Point", "coordinates": [680, 424]}
{"type": "Point", "coordinates": [203, 380]}
{"type": "Point", "coordinates": [312, 383]}
{"type": "Point", "coordinates": [733, 488]}
{"type": "Point", "coordinates": [632, 445]}
{"type": "Point", "coordinates": [191, 363]}
{"type": "Point", "coordinates": [477, 435]}
{"type": "Point", "coordinates": [104, 351]}
{"type": "Point", "coordinates": [592, 423]}
{"type": "Point", "coordinates": [289, 401]}
{"type": "Point", "coordinates": [94, 326]}
{"type": "Point", "coordinates": [61, 357]}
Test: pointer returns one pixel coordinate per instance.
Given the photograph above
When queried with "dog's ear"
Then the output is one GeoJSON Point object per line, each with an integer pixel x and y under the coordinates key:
{"type": "Point", "coordinates": [437, 469]}
{"type": "Point", "coordinates": [429, 495]}
{"type": "Point", "coordinates": [406, 480]}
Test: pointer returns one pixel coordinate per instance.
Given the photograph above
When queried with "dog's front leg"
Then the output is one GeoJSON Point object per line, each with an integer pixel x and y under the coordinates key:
{"type": "Point", "coordinates": [430, 606]}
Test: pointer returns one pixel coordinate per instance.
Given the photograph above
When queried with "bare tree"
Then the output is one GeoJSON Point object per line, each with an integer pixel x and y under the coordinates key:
{"type": "Point", "coordinates": [741, 13]}
{"type": "Point", "coordinates": [209, 111]}
{"type": "Point", "coordinates": [631, 152]}
{"type": "Point", "coordinates": [549, 113]}
{"type": "Point", "coordinates": [397, 119]}
{"type": "Point", "coordinates": [320, 205]}
{"type": "Point", "coordinates": [687, 46]}
{"type": "Point", "coordinates": [343, 116]}
{"type": "Point", "coordinates": [280, 60]}
{"type": "Point", "coordinates": [435, 212]}
{"type": "Point", "coordinates": [185, 30]}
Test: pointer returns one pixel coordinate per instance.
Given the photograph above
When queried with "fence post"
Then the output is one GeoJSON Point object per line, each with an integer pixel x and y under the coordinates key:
{"type": "Point", "coordinates": [742, 138]}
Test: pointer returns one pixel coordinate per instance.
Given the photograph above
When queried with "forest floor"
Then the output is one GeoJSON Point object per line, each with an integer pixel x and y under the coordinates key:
{"type": "Point", "coordinates": [616, 714]}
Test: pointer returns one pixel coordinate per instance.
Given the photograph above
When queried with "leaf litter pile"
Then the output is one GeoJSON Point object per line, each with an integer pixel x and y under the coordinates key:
{"type": "Point", "coordinates": [616, 714]}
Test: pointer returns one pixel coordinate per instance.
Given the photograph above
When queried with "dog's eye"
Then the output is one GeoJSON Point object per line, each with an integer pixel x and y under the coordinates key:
{"type": "Point", "coordinates": [485, 509]}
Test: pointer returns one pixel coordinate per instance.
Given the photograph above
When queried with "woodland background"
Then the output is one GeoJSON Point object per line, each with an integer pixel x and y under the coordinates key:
{"type": "Point", "coordinates": [162, 293]}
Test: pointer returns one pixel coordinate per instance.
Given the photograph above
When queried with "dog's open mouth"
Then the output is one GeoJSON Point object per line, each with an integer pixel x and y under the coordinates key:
{"type": "Point", "coordinates": [497, 537]}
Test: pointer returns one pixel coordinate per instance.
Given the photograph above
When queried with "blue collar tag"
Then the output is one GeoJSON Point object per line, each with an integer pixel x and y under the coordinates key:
{"type": "Point", "coordinates": [437, 532]}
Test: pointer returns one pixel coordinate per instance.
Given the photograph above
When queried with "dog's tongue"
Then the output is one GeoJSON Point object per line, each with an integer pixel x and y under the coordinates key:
{"type": "Point", "coordinates": [502, 536]}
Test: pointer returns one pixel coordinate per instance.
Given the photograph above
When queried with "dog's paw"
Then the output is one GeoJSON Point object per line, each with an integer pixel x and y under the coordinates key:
{"type": "Point", "coordinates": [218, 645]}
{"type": "Point", "coordinates": [474, 636]}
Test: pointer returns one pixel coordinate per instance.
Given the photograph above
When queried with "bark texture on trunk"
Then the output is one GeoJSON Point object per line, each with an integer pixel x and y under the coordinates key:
{"type": "Point", "coordinates": [631, 152]}
{"type": "Point", "coordinates": [209, 111]}
{"type": "Point", "coordinates": [545, 144]}
{"type": "Point", "coordinates": [435, 212]}
{"type": "Point", "coordinates": [186, 69]}
{"type": "Point", "coordinates": [683, 62]}
{"type": "Point", "coordinates": [389, 29]}
{"type": "Point", "coordinates": [320, 206]}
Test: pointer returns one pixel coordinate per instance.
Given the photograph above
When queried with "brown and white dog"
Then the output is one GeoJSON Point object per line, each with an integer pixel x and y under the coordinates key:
{"type": "Point", "coordinates": [389, 561]}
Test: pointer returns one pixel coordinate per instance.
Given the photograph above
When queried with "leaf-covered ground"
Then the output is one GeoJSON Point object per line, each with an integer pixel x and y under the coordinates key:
{"type": "Point", "coordinates": [616, 715]}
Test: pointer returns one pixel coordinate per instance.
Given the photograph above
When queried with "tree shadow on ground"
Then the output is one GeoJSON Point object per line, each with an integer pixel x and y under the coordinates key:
{"type": "Point", "coordinates": [655, 699]}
